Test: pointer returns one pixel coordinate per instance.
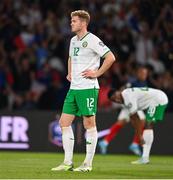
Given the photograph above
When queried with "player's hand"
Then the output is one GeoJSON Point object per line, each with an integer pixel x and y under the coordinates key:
{"type": "Point", "coordinates": [89, 74]}
{"type": "Point", "coordinates": [68, 77]}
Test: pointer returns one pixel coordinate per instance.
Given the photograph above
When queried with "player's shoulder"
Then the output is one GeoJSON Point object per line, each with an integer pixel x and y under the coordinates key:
{"type": "Point", "coordinates": [127, 90]}
{"type": "Point", "coordinates": [94, 40]}
{"type": "Point", "coordinates": [156, 91]}
{"type": "Point", "coordinates": [93, 36]}
{"type": "Point", "coordinates": [74, 38]}
{"type": "Point", "coordinates": [125, 93]}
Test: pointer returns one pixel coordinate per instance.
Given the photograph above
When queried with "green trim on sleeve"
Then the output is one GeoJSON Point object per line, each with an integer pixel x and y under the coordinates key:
{"type": "Point", "coordinates": [105, 53]}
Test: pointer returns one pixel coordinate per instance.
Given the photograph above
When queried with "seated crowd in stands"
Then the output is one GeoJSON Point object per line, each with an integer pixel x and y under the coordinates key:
{"type": "Point", "coordinates": [34, 39]}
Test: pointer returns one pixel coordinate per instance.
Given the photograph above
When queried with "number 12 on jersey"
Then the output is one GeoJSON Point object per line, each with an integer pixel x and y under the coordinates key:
{"type": "Point", "coordinates": [76, 51]}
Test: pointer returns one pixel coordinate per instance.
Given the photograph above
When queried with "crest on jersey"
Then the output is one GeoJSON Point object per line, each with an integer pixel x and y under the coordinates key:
{"type": "Point", "coordinates": [84, 44]}
{"type": "Point", "coordinates": [101, 44]}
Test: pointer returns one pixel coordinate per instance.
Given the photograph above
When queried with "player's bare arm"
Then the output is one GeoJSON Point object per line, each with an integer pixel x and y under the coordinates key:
{"type": "Point", "coordinates": [108, 61]}
{"type": "Point", "coordinates": [69, 70]}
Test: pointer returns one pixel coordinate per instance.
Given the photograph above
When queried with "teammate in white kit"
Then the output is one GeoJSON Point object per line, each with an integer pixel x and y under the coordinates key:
{"type": "Point", "coordinates": [153, 101]}
{"type": "Point", "coordinates": [123, 117]}
{"type": "Point", "coordinates": [85, 52]}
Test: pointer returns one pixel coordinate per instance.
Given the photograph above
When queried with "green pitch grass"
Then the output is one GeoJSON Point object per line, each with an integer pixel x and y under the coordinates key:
{"type": "Point", "coordinates": [18, 165]}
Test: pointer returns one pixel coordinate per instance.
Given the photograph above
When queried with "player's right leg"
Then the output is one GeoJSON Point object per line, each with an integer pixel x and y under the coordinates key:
{"type": "Point", "coordinates": [134, 146]}
{"type": "Point", "coordinates": [91, 142]}
{"type": "Point", "coordinates": [68, 143]}
{"type": "Point", "coordinates": [67, 117]}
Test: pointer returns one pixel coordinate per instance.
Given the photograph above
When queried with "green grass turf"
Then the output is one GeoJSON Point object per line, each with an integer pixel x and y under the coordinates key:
{"type": "Point", "coordinates": [37, 165]}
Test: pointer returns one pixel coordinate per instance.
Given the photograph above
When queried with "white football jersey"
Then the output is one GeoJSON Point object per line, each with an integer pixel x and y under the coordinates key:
{"type": "Point", "coordinates": [85, 55]}
{"type": "Point", "coordinates": [142, 98]}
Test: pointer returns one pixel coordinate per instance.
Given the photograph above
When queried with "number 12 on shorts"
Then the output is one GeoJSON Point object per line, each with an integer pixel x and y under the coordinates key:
{"type": "Point", "coordinates": [90, 102]}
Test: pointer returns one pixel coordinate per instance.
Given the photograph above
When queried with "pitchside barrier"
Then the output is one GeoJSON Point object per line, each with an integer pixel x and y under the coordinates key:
{"type": "Point", "coordinates": [40, 131]}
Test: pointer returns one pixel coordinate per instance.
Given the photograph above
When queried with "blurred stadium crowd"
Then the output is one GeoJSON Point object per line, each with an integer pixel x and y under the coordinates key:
{"type": "Point", "coordinates": [34, 40]}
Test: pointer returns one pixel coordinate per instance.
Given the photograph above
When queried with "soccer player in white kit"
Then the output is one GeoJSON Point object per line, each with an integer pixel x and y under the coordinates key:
{"type": "Point", "coordinates": [123, 117]}
{"type": "Point", "coordinates": [85, 52]}
{"type": "Point", "coordinates": [154, 102]}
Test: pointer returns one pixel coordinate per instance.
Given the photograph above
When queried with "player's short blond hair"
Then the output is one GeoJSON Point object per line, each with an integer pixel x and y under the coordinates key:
{"type": "Point", "coordinates": [82, 14]}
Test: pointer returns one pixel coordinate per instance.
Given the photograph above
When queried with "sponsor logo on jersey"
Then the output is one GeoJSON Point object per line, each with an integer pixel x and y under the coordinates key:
{"type": "Point", "coordinates": [101, 44]}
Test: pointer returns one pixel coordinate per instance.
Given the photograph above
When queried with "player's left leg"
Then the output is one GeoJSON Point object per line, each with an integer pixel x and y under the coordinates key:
{"type": "Point", "coordinates": [91, 142]}
{"type": "Point", "coordinates": [148, 136]}
{"type": "Point", "coordinates": [87, 103]}
{"type": "Point", "coordinates": [154, 114]}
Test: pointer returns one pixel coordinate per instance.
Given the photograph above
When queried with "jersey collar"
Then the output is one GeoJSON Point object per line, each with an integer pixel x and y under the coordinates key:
{"type": "Point", "coordinates": [84, 36]}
